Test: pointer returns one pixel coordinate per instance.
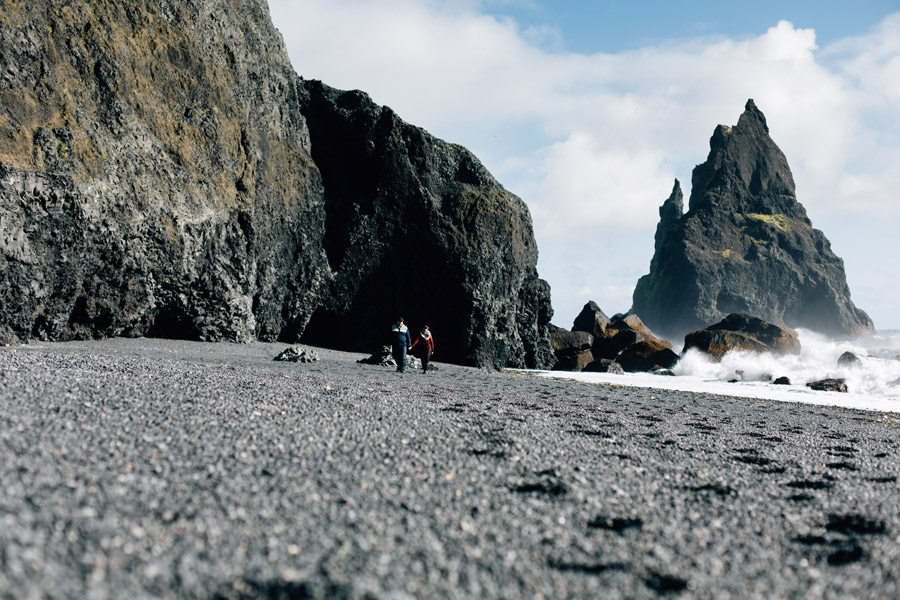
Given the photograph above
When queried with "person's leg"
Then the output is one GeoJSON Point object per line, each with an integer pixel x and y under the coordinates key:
{"type": "Point", "coordinates": [402, 361]}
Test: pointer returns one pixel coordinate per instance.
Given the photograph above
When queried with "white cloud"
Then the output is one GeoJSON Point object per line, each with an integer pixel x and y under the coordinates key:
{"type": "Point", "coordinates": [592, 142]}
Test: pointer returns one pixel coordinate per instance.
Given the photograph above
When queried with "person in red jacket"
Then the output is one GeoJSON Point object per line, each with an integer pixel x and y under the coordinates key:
{"type": "Point", "coordinates": [427, 348]}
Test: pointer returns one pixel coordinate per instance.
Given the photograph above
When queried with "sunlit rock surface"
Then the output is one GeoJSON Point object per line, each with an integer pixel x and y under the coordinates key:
{"type": "Point", "coordinates": [165, 172]}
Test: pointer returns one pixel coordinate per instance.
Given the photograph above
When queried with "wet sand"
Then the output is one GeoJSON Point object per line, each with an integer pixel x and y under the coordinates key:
{"type": "Point", "coordinates": [156, 468]}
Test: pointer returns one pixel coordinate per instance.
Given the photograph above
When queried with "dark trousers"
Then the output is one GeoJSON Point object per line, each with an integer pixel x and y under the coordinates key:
{"type": "Point", "coordinates": [426, 356]}
{"type": "Point", "coordinates": [400, 357]}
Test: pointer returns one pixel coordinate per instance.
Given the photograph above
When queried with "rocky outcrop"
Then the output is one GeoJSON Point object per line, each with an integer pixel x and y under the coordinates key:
{"type": "Point", "coordinates": [602, 344]}
{"type": "Point", "coordinates": [743, 332]}
{"type": "Point", "coordinates": [419, 225]}
{"type": "Point", "coordinates": [745, 245]}
{"type": "Point", "coordinates": [165, 172]}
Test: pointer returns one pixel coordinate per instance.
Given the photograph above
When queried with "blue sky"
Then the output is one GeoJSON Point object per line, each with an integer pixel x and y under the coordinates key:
{"type": "Point", "coordinates": [589, 110]}
{"type": "Point", "coordinates": [588, 27]}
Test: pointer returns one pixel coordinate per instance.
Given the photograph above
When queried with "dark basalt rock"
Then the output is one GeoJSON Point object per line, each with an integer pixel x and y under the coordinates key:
{"type": "Point", "coordinates": [647, 355]}
{"type": "Point", "coordinates": [296, 354]}
{"type": "Point", "coordinates": [592, 320]}
{"type": "Point", "coordinates": [622, 341]}
{"type": "Point", "coordinates": [207, 192]}
{"type": "Point", "coordinates": [605, 365]}
{"type": "Point", "coordinates": [782, 381]}
{"type": "Point", "coordinates": [743, 332]}
{"type": "Point", "coordinates": [382, 357]}
{"type": "Point", "coordinates": [621, 332]}
{"type": "Point", "coordinates": [745, 245]}
{"type": "Point", "coordinates": [828, 385]}
{"type": "Point", "coordinates": [570, 342]}
{"type": "Point", "coordinates": [572, 349]}
{"type": "Point", "coordinates": [848, 359]}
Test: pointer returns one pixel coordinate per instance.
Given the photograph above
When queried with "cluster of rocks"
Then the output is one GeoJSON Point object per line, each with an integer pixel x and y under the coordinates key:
{"type": "Point", "coordinates": [619, 344]}
{"type": "Point", "coordinates": [297, 354]}
{"type": "Point", "coordinates": [624, 343]}
{"type": "Point", "coordinates": [383, 357]}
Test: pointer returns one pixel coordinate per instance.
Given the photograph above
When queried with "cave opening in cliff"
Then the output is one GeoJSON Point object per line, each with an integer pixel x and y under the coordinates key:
{"type": "Point", "coordinates": [348, 332]}
{"type": "Point", "coordinates": [173, 323]}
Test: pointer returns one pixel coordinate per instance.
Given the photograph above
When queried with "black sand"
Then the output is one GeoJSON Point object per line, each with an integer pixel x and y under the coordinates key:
{"type": "Point", "coordinates": [152, 468]}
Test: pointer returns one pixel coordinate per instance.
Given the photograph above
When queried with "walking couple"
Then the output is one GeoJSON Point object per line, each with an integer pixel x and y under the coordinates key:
{"type": "Point", "coordinates": [402, 343]}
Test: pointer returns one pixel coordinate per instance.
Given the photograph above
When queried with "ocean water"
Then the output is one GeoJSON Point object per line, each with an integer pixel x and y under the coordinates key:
{"type": "Point", "coordinates": [874, 384]}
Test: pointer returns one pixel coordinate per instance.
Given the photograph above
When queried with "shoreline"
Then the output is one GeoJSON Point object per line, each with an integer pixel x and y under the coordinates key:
{"type": "Point", "coordinates": [752, 390]}
{"type": "Point", "coordinates": [258, 353]}
{"type": "Point", "coordinates": [189, 469]}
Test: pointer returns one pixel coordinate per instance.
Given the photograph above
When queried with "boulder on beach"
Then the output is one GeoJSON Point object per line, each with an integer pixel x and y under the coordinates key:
{"type": "Point", "coordinates": [297, 354]}
{"type": "Point", "coordinates": [647, 355]}
{"type": "Point", "coordinates": [572, 349]}
{"type": "Point", "coordinates": [592, 320]}
{"type": "Point", "coordinates": [743, 332]}
{"type": "Point", "coordinates": [744, 245]}
{"type": "Point", "coordinates": [621, 332]}
{"type": "Point", "coordinates": [828, 385]}
{"type": "Point", "coordinates": [383, 357]}
{"type": "Point", "coordinates": [604, 365]}
{"type": "Point", "coordinates": [848, 359]}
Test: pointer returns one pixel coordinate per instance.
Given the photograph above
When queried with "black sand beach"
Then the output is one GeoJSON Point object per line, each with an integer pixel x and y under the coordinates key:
{"type": "Point", "coordinates": [165, 469]}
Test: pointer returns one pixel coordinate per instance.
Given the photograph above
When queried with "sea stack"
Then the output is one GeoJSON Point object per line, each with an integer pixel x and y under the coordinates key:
{"type": "Point", "coordinates": [745, 245]}
{"type": "Point", "coordinates": [165, 172]}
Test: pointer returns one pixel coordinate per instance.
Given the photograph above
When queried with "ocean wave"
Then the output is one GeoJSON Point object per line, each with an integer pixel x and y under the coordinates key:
{"type": "Point", "coordinates": [873, 382]}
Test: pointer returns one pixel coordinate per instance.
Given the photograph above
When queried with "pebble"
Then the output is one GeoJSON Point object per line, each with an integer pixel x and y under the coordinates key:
{"type": "Point", "coordinates": [159, 468]}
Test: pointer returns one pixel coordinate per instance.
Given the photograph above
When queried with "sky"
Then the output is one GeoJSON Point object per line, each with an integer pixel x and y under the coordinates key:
{"type": "Point", "coordinates": [589, 111]}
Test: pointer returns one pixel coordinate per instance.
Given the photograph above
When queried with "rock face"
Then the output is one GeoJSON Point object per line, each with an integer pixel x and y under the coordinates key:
{"type": "Point", "coordinates": [743, 332]}
{"type": "Point", "coordinates": [745, 245]}
{"type": "Point", "coordinates": [165, 172]}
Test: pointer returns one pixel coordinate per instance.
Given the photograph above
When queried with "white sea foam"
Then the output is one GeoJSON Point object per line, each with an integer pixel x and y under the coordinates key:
{"type": "Point", "coordinates": [873, 384]}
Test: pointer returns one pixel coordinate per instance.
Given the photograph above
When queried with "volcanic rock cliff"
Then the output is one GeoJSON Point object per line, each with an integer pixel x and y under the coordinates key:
{"type": "Point", "coordinates": [165, 172]}
{"type": "Point", "coordinates": [745, 245]}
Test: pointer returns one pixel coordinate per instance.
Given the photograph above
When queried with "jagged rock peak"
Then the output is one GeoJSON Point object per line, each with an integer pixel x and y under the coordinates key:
{"type": "Point", "coordinates": [745, 245]}
{"type": "Point", "coordinates": [746, 169]}
{"type": "Point", "coordinates": [669, 213]}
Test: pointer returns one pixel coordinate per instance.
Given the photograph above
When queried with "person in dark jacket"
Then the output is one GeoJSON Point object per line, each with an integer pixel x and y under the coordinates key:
{"type": "Point", "coordinates": [427, 348]}
{"type": "Point", "coordinates": [401, 343]}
